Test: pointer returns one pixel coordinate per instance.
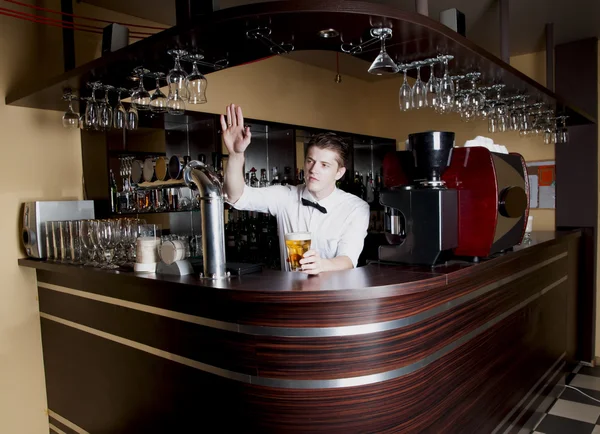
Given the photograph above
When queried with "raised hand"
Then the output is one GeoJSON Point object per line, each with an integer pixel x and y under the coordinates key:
{"type": "Point", "coordinates": [235, 135]}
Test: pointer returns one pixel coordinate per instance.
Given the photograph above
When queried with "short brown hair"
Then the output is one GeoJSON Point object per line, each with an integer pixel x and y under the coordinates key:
{"type": "Point", "coordinates": [334, 143]}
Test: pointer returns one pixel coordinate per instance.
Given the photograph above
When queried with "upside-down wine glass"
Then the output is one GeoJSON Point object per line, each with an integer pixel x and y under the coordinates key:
{"type": "Point", "coordinates": [405, 94]}
{"type": "Point", "coordinates": [197, 82]}
{"type": "Point", "coordinates": [120, 113]}
{"type": "Point", "coordinates": [158, 100]}
{"type": "Point", "coordinates": [140, 97]}
{"type": "Point", "coordinates": [178, 85]}
{"type": "Point", "coordinates": [419, 90]}
{"type": "Point", "coordinates": [383, 63]}
{"type": "Point", "coordinates": [105, 112]}
{"type": "Point", "coordinates": [446, 94]}
{"type": "Point", "coordinates": [91, 109]}
{"type": "Point", "coordinates": [433, 87]}
{"type": "Point", "coordinates": [70, 119]}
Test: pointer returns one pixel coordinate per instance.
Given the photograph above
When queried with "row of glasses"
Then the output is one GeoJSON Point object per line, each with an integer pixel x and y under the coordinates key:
{"type": "Point", "coordinates": [107, 244]}
{"type": "Point", "coordinates": [99, 115]}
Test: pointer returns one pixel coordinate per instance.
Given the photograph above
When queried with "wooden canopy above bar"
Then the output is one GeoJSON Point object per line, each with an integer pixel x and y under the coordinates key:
{"type": "Point", "coordinates": [223, 35]}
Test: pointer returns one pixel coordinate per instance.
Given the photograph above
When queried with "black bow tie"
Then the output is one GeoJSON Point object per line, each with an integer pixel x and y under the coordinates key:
{"type": "Point", "coordinates": [314, 205]}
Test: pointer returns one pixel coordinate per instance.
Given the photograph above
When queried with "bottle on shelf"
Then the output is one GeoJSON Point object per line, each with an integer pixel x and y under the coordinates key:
{"type": "Point", "coordinates": [275, 178]}
{"type": "Point", "coordinates": [300, 177]}
{"type": "Point", "coordinates": [264, 182]}
{"type": "Point", "coordinates": [242, 244]}
{"type": "Point", "coordinates": [247, 179]}
{"type": "Point", "coordinates": [370, 188]}
{"type": "Point", "coordinates": [113, 193]}
{"type": "Point", "coordinates": [287, 176]}
{"type": "Point", "coordinates": [230, 230]}
{"type": "Point", "coordinates": [253, 179]}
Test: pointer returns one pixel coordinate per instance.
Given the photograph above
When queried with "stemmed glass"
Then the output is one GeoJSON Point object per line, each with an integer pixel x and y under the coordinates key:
{"type": "Point", "coordinates": [383, 63]}
{"type": "Point", "coordinates": [475, 99]}
{"type": "Point", "coordinates": [564, 131]}
{"type": "Point", "coordinates": [105, 112]}
{"type": "Point", "coordinates": [197, 82]}
{"type": "Point", "coordinates": [433, 86]}
{"type": "Point", "coordinates": [87, 239]}
{"type": "Point", "coordinates": [108, 238]}
{"type": "Point", "coordinates": [501, 112]}
{"type": "Point", "coordinates": [158, 100]}
{"type": "Point", "coordinates": [91, 109]}
{"type": "Point", "coordinates": [120, 113]}
{"type": "Point", "coordinates": [177, 79]}
{"type": "Point", "coordinates": [70, 119]}
{"type": "Point", "coordinates": [140, 97]}
{"type": "Point", "coordinates": [419, 90]}
{"type": "Point", "coordinates": [405, 95]}
{"type": "Point", "coordinates": [460, 97]}
{"type": "Point", "coordinates": [446, 93]}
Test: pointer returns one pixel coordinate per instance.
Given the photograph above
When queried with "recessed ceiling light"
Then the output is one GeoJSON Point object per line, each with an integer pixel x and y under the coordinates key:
{"type": "Point", "coordinates": [329, 33]}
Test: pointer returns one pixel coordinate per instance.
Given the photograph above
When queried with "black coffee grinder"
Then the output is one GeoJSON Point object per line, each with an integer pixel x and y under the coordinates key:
{"type": "Point", "coordinates": [421, 216]}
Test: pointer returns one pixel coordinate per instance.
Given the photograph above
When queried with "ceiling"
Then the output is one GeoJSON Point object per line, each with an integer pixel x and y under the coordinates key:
{"type": "Point", "coordinates": [573, 20]}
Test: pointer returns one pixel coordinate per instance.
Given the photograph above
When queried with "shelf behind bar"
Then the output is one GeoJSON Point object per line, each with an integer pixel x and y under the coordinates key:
{"type": "Point", "coordinates": [223, 34]}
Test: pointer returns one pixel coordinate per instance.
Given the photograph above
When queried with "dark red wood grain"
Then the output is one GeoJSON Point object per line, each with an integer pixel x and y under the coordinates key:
{"type": "Point", "coordinates": [469, 389]}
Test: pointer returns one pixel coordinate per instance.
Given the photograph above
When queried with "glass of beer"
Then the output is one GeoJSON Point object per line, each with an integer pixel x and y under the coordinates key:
{"type": "Point", "coordinates": [297, 243]}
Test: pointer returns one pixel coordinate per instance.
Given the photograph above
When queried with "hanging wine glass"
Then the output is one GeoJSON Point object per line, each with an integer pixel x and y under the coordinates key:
{"type": "Point", "coordinates": [177, 79]}
{"type": "Point", "coordinates": [405, 95]}
{"type": "Point", "coordinates": [383, 63]}
{"type": "Point", "coordinates": [197, 82]}
{"type": "Point", "coordinates": [564, 131]}
{"type": "Point", "coordinates": [446, 92]}
{"type": "Point", "coordinates": [70, 119]}
{"type": "Point", "coordinates": [501, 112]}
{"type": "Point", "coordinates": [475, 99]}
{"type": "Point", "coordinates": [433, 87]}
{"type": "Point", "coordinates": [158, 100]}
{"type": "Point", "coordinates": [140, 98]}
{"type": "Point", "coordinates": [91, 109]}
{"type": "Point", "coordinates": [419, 90]}
{"type": "Point", "coordinates": [105, 113]}
{"type": "Point", "coordinates": [120, 113]}
{"type": "Point", "coordinates": [133, 117]}
{"type": "Point", "coordinates": [460, 96]}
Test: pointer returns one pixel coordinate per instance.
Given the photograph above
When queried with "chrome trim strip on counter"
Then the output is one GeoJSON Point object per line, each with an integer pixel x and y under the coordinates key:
{"type": "Point", "coordinates": [309, 384]}
{"type": "Point", "coordinates": [353, 330]}
{"type": "Point", "coordinates": [67, 422]}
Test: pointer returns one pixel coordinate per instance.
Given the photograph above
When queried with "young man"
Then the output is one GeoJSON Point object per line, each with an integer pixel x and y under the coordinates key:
{"type": "Point", "coordinates": [337, 221]}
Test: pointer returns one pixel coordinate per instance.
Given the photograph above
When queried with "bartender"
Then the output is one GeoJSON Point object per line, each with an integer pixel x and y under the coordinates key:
{"type": "Point", "coordinates": [337, 220]}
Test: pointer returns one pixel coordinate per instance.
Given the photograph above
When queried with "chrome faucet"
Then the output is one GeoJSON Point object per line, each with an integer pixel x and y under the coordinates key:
{"type": "Point", "coordinates": [200, 175]}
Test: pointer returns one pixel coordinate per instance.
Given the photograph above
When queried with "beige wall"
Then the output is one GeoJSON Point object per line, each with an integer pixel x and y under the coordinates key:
{"type": "Point", "coordinates": [43, 161]}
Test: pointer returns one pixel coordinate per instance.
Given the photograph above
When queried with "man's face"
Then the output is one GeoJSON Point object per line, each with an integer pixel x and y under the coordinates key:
{"type": "Point", "coordinates": [321, 170]}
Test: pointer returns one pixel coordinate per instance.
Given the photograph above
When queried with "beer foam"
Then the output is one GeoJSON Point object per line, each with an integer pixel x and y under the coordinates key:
{"type": "Point", "coordinates": [297, 236]}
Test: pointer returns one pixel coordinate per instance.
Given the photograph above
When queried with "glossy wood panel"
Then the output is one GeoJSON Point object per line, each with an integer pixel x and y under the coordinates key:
{"type": "Point", "coordinates": [474, 362]}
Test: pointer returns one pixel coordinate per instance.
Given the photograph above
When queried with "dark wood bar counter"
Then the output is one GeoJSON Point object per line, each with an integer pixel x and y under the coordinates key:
{"type": "Point", "coordinates": [455, 349]}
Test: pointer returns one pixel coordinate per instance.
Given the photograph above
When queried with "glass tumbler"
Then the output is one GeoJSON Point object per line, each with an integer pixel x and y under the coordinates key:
{"type": "Point", "coordinates": [75, 248]}
{"type": "Point", "coordinates": [56, 252]}
{"type": "Point", "coordinates": [65, 236]}
{"type": "Point", "coordinates": [48, 240]}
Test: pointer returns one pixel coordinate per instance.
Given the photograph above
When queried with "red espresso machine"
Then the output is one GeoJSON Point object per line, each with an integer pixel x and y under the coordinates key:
{"type": "Point", "coordinates": [443, 202]}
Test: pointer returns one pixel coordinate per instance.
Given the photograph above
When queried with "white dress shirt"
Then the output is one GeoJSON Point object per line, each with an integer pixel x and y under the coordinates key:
{"type": "Point", "coordinates": [339, 232]}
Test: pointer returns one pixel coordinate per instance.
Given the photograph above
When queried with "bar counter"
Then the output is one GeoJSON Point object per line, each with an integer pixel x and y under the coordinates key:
{"type": "Point", "coordinates": [460, 348]}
